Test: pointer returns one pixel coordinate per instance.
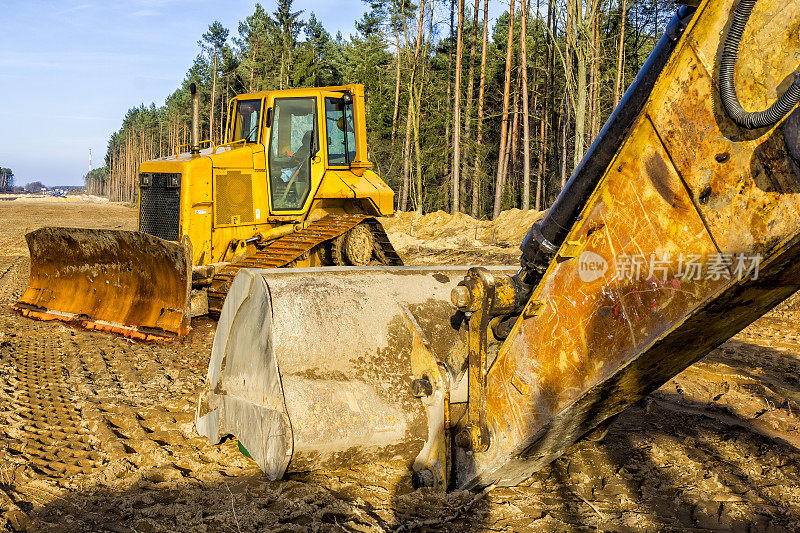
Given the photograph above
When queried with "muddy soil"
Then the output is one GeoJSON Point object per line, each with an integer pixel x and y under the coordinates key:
{"type": "Point", "coordinates": [96, 433]}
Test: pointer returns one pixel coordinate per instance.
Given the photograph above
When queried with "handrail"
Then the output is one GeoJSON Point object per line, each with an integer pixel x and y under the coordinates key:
{"type": "Point", "coordinates": [177, 148]}
{"type": "Point", "coordinates": [216, 146]}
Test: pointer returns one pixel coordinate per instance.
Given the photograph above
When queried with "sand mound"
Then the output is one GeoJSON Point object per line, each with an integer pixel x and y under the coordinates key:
{"type": "Point", "coordinates": [39, 198]}
{"type": "Point", "coordinates": [440, 227]}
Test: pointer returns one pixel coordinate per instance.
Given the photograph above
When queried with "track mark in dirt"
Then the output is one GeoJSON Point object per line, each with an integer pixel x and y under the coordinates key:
{"type": "Point", "coordinates": [695, 456]}
{"type": "Point", "coordinates": [44, 426]}
{"type": "Point", "coordinates": [14, 274]}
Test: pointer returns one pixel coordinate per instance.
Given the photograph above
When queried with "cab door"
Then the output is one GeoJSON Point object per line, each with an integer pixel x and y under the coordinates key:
{"type": "Point", "coordinates": [294, 163]}
{"type": "Point", "coordinates": [341, 146]}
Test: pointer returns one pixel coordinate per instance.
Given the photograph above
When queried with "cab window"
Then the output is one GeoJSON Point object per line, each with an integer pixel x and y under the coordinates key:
{"type": "Point", "coordinates": [293, 142]}
{"type": "Point", "coordinates": [246, 123]}
{"type": "Point", "coordinates": [341, 132]}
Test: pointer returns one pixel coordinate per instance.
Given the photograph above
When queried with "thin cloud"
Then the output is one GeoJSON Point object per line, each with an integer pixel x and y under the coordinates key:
{"type": "Point", "coordinates": [145, 13]}
{"type": "Point", "coordinates": [73, 9]}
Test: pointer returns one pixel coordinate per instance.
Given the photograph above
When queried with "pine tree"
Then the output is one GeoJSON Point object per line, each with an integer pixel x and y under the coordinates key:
{"type": "Point", "coordinates": [288, 25]}
{"type": "Point", "coordinates": [213, 41]}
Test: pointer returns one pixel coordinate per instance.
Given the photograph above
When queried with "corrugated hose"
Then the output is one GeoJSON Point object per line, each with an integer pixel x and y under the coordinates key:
{"type": "Point", "coordinates": [730, 101]}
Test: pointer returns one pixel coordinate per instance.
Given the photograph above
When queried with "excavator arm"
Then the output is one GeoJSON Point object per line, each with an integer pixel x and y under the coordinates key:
{"type": "Point", "coordinates": [679, 228]}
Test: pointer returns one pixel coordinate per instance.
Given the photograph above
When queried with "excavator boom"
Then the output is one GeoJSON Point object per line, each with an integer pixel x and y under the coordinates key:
{"type": "Point", "coordinates": [679, 228]}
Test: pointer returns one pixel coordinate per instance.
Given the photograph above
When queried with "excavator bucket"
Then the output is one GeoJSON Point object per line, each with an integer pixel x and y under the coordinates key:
{"type": "Point", "coordinates": [127, 282]}
{"type": "Point", "coordinates": [315, 367]}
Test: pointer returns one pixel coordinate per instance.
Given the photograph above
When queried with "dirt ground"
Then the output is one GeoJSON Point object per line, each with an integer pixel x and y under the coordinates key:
{"type": "Point", "coordinates": [96, 432]}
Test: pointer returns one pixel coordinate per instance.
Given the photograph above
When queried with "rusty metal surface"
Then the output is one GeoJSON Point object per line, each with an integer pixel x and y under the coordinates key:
{"type": "Point", "coordinates": [741, 181]}
{"type": "Point", "coordinates": [685, 182]}
{"type": "Point", "coordinates": [283, 251]}
{"type": "Point", "coordinates": [127, 282]}
{"type": "Point", "coordinates": [317, 364]}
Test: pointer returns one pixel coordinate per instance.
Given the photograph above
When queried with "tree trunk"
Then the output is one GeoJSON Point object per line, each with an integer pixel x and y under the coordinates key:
{"type": "Point", "coordinates": [564, 123]}
{"type": "Point", "coordinates": [543, 120]}
{"type": "Point", "coordinates": [283, 63]}
{"type": "Point", "coordinates": [456, 205]}
{"type": "Point", "coordinates": [407, 147]}
{"type": "Point", "coordinates": [595, 75]}
{"type": "Point", "coordinates": [407, 157]}
{"type": "Point", "coordinates": [468, 114]}
{"type": "Point", "coordinates": [513, 151]}
{"type": "Point", "coordinates": [448, 122]}
{"type": "Point", "coordinates": [213, 97]}
{"type": "Point", "coordinates": [498, 193]}
{"type": "Point", "coordinates": [252, 67]}
{"type": "Point", "coordinates": [397, 76]}
{"type": "Point", "coordinates": [526, 145]}
{"type": "Point", "coordinates": [418, 103]}
{"type": "Point", "coordinates": [418, 161]}
{"type": "Point", "coordinates": [476, 179]}
{"type": "Point", "coordinates": [576, 41]}
{"type": "Point", "coordinates": [620, 55]}
{"type": "Point", "coordinates": [222, 112]}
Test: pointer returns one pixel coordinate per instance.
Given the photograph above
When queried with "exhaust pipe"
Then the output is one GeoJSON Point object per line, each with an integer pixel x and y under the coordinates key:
{"type": "Point", "coordinates": [195, 148]}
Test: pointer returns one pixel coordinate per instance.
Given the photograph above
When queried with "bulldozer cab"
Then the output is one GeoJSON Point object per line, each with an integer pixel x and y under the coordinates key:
{"type": "Point", "coordinates": [247, 120]}
{"type": "Point", "coordinates": [304, 132]}
{"type": "Point", "coordinates": [340, 130]}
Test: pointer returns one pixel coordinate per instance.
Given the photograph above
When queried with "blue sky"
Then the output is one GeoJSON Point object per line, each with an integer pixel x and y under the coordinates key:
{"type": "Point", "coordinates": [70, 70]}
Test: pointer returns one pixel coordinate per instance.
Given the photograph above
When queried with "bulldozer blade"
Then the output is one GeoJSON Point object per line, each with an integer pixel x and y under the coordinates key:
{"type": "Point", "coordinates": [314, 368]}
{"type": "Point", "coordinates": [127, 282]}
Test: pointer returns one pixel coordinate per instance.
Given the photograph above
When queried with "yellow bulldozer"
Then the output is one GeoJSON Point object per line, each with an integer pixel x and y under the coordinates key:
{"type": "Point", "coordinates": [291, 186]}
{"type": "Point", "coordinates": [679, 228]}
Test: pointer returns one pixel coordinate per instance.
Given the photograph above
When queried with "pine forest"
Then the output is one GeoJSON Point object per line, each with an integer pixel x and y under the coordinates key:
{"type": "Point", "coordinates": [465, 112]}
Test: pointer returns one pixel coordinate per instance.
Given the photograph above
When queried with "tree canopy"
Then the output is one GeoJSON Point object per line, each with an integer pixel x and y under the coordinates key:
{"type": "Point", "coordinates": [6, 179]}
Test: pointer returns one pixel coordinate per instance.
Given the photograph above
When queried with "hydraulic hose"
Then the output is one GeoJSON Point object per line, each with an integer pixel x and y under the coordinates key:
{"type": "Point", "coordinates": [727, 89]}
{"type": "Point", "coordinates": [544, 238]}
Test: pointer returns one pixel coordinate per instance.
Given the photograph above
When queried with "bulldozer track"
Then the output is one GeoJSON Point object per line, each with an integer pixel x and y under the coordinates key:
{"type": "Point", "coordinates": [284, 251]}
{"type": "Point", "coordinates": [80, 406]}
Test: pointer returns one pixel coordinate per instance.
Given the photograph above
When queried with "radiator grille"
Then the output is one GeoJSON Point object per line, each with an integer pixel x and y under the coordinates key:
{"type": "Point", "coordinates": [233, 193]}
{"type": "Point", "coordinates": [159, 208]}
